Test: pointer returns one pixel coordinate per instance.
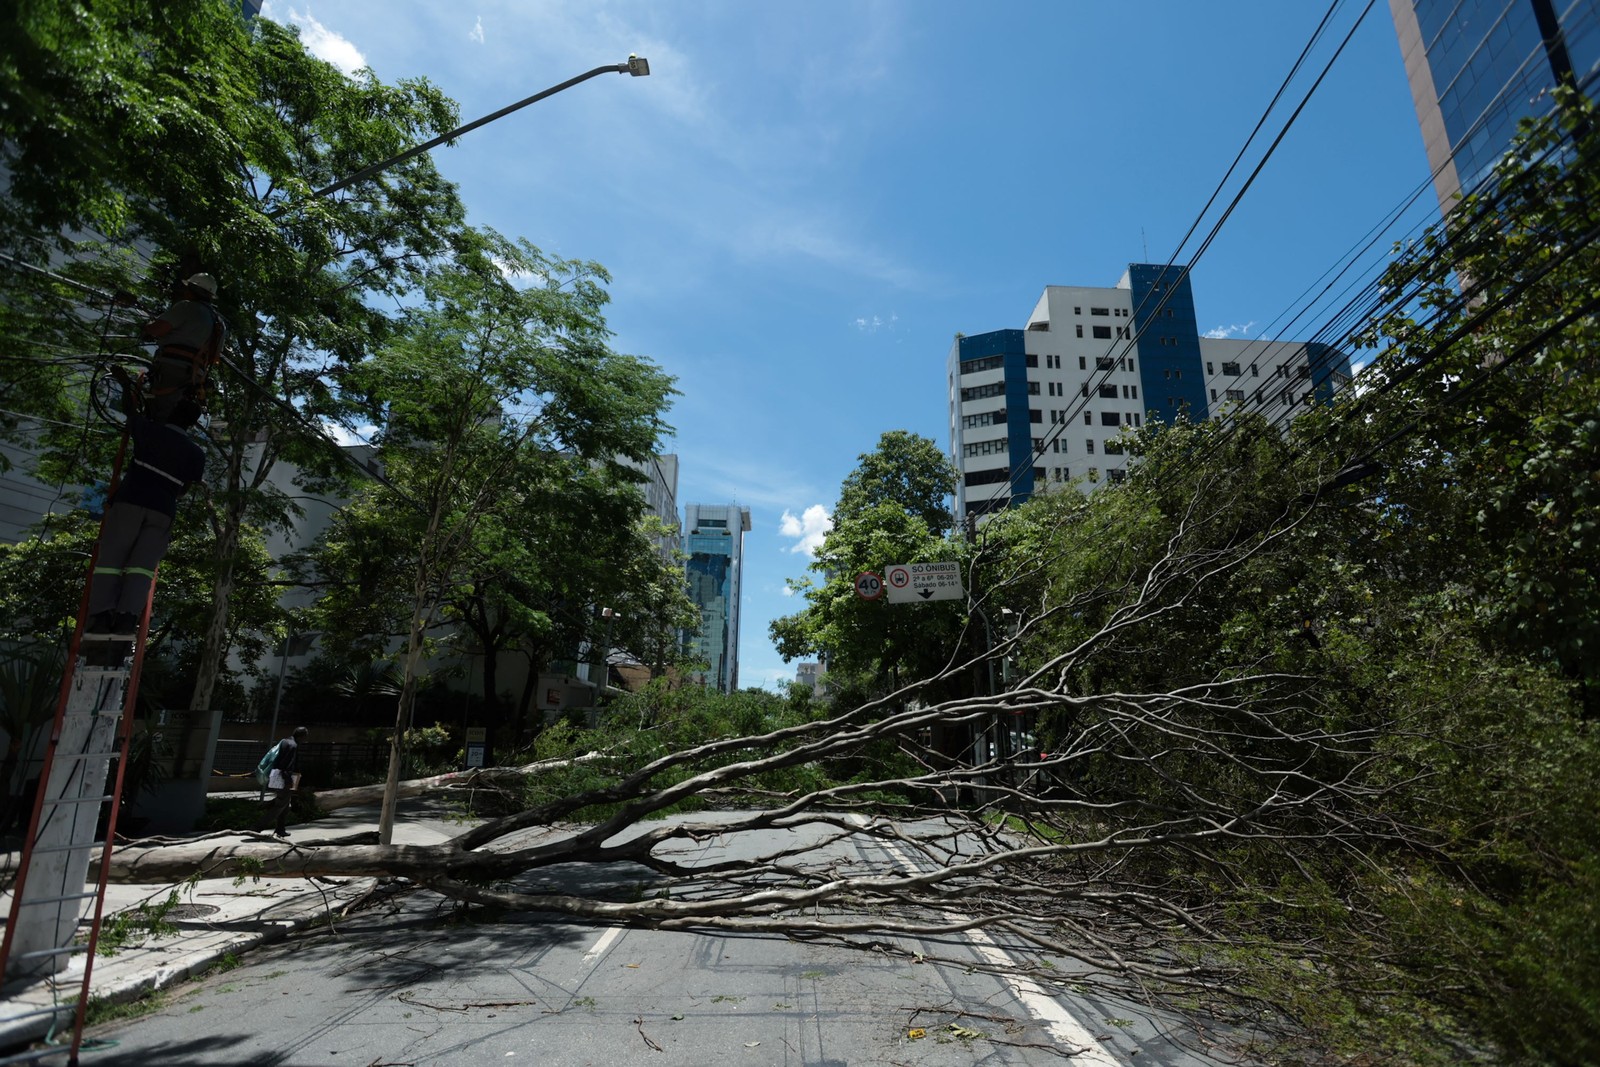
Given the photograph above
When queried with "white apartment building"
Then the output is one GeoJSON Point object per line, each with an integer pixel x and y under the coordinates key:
{"type": "Point", "coordinates": [1048, 405]}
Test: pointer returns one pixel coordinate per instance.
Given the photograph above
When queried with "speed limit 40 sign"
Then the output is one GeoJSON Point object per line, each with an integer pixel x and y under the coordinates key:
{"type": "Point", "coordinates": [869, 586]}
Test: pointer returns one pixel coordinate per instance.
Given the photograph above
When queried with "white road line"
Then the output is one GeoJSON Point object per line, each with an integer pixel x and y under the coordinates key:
{"type": "Point", "coordinates": [1042, 1005]}
{"type": "Point", "coordinates": [601, 945]}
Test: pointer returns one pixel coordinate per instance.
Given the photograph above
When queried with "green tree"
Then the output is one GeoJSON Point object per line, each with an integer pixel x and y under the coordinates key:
{"type": "Point", "coordinates": [892, 509]}
{"type": "Point", "coordinates": [187, 139]}
{"type": "Point", "coordinates": [493, 396]}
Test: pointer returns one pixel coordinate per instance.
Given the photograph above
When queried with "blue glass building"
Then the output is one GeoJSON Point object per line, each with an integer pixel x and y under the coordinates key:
{"type": "Point", "coordinates": [1479, 67]}
{"type": "Point", "coordinates": [714, 542]}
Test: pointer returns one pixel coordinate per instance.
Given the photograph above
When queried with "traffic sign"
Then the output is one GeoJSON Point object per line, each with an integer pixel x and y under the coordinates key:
{"type": "Point", "coordinates": [914, 583]}
{"type": "Point", "coordinates": [869, 586]}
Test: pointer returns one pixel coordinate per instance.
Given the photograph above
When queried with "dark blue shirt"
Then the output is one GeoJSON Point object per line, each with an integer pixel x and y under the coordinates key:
{"type": "Point", "coordinates": [165, 462]}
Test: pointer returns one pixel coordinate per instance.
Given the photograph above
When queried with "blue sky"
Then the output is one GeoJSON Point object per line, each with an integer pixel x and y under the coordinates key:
{"type": "Point", "coordinates": [804, 203]}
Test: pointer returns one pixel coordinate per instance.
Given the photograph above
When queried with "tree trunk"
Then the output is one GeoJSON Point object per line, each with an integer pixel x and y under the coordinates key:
{"type": "Point", "coordinates": [402, 718]}
{"type": "Point", "coordinates": [214, 643]}
{"type": "Point", "coordinates": [451, 782]}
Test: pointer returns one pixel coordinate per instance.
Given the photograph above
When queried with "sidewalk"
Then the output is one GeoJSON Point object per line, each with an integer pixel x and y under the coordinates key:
{"type": "Point", "coordinates": [215, 917]}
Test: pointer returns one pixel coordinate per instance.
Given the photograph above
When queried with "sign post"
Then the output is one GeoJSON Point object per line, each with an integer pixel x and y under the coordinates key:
{"type": "Point", "coordinates": [915, 583]}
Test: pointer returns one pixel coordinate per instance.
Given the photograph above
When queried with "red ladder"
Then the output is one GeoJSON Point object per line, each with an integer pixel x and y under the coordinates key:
{"type": "Point", "coordinates": [93, 724]}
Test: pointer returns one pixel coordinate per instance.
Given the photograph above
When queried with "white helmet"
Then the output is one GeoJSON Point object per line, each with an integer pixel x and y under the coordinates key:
{"type": "Point", "coordinates": [203, 282]}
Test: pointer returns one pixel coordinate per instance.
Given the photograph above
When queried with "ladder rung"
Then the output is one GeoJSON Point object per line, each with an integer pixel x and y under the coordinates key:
{"type": "Point", "coordinates": [77, 800]}
{"type": "Point", "coordinates": [62, 899]}
{"type": "Point", "coordinates": [56, 849]}
{"type": "Point", "coordinates": [41, 953]}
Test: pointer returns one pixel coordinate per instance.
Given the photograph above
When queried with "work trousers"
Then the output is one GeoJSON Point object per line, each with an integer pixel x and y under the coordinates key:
{"type": "Point", "coordinates": [132, 542]}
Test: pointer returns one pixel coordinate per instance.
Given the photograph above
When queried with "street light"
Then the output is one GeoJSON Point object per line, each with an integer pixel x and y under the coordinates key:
{"type": "Point", "coordinates": [635, 67]}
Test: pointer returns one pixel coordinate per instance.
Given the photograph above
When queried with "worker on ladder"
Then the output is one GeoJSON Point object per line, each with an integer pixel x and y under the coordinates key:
{"type": "Point", "coordinates": [189, 336]}
{"type": "Point", "coordinates": [138, 523]}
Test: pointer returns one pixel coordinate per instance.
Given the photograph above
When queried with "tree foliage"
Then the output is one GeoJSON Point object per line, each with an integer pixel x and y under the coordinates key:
{"type": "Point", "coordinates": [893, 508]}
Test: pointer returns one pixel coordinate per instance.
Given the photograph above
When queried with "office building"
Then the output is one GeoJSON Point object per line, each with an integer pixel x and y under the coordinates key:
{"type": "Point", "coordinates": [714, 540]}
{"type": "Point", "coordinates": [1048, 404]}
{"type": "Point", "coordinates": [1479, 67]}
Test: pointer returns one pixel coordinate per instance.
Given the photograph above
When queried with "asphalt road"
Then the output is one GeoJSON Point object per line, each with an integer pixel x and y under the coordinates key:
{"type": "Point", "coordinates": [417, 982]}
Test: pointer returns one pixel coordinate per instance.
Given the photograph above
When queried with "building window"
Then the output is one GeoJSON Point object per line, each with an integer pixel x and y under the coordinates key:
{"type": "Point", "coordinates": [1255, 371]}
{"type": "Point", "coordinates": [1083, 364]}
{"type": "Point", "coordinates": [981, 392]}
{"type": "Point", "coordinates": [1033, 388]}
{"type": "Point", "coordinates": [973, 366]}
{"type": "Point", "coordinates": [1088, 445]}
{"type": "Point", "coordinates": [1177, 372]}
{"type": "Point", "coordinates": [987, 418]}
{"type": "Point", "coordinates": [1109, 418]}
{"type": "Point", "coordinates": [1108, 391]}
{"type": "Point", "coordinates": [1105, 363]}
{"type": "Point", "coordinates": [990, 477]}
{"type": "Point", "coordinates": [1038, 444]}
{"type": "Point", "coordinates": [1039, 327]}
{"type": "Point", "coordinates": [1236, 394]}
{"type": "Point", "coordinates": [1113, 447]}
{"type": "Point", "coordinates": [1094, 474]}
{"type": "Point", "coordinates": [1088, 419]}
{"type": "Point", "coordinates": [1168, 374]}
{"type": "Point", "coordinates": [1080, 329]}
{"type": "Point", "coordinates": [1137, 420]}
{"type": "Point", "coordinates": [1102, 333]}
{"type": "Point", "coordinates": [1122, 333]}
{"type": "Point", "coordinates": [1124, 392]}
{"type": "Point", "coordinates": [1083, 390]}
{"type": "Point", "coordinates": [1136, 392]}
{"type": "Point", "coordinates": [1213, 394]}
{"type": "Point", "coordinates": [1099, 311]}
{"type": "Point", "coordinates": [1031, 360]}
{"type": "Point", "coordinates": [1116, 474]}
{"type": "Point", "coordinates": [1209, 371]}
{"type": "Point", "coordinates": [1077, 311]}
{"type": "Point", "coordinates": [1130, 363]}
{"type": "Point", "coordinates": [985, 448]}
{"type": "Point", "coordinates": [1035, 415]}
{"type": "Point", "coordinates": [1232, 369]}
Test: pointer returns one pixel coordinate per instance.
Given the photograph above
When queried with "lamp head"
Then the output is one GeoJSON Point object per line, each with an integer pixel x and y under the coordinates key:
{"type": "Point", "coordinates": [638, 67]}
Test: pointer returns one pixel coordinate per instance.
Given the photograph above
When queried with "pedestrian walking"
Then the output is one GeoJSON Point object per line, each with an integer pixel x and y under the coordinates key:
{"type": "Point", "coordinates": [166, 461]}
{"type": "Point", "coordinates": [283, 780]}
{"type": "Point", "coordinates": [189, 337]}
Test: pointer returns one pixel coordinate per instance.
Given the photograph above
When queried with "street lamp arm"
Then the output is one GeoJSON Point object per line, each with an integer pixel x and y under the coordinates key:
{"type": "Point", "coordinates": [634, 66]}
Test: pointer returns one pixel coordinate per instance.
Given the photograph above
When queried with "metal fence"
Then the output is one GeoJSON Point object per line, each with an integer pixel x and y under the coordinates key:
{"type": "Point", "coordinates": [321, 762]}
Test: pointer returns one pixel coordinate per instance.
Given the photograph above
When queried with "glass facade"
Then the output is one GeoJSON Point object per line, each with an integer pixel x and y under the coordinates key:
{"type": "Point", "coordinates": [714, 542]}
{"type": "Point", "coordinates": [1490, 67]}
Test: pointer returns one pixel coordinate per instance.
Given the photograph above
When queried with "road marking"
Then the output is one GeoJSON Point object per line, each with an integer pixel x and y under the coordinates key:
{"type": "Point", "coordinates": [601, 945]}
{"type": "Point", "coordinates": [1062, 1024]}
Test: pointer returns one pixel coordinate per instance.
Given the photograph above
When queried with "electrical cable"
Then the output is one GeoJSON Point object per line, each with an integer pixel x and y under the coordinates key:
{"type": "Point", "coordinates": [1133, 336]}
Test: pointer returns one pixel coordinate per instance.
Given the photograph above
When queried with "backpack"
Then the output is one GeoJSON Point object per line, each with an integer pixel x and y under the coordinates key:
{"type": "Point", "coordinates": [264, 768]}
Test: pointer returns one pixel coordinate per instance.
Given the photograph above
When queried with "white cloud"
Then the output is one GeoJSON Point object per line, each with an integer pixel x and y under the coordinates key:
{"type": "Point", "coordinates": [808, 530]}
{"type": "Point", "coordinates": [1236, 330]}
{"type": "Point", "coordinates": [477, 31]}
{"type": "Point", "coordinates": [876, 323]}
{"type": "Point", "coordinates": [320, 41]}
